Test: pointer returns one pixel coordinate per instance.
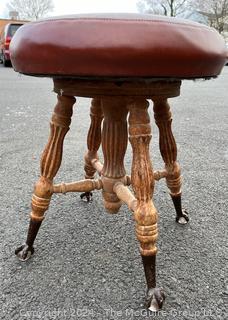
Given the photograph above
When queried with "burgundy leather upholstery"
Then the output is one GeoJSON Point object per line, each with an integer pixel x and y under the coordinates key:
{"type": "Point", "coordinates": [118, 45]}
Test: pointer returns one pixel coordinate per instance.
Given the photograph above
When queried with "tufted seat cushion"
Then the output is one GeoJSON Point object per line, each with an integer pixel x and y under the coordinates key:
{"type": "Point", "coordinates": [118, 45]}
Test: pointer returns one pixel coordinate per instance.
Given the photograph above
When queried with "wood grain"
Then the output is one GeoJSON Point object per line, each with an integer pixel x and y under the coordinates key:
{"type": "Point", "coordinates": [111, 103]}
{"type": "Point", "coordinates": [142, 177]}
{"type": "Point", "coordinates": [52, 156]}
{"type": "Point", "coordinates": [168, 148]}
{"type": "Point", "coordinates": [93, 138]}
{"type": "Point", "coordinates": [114, 145]}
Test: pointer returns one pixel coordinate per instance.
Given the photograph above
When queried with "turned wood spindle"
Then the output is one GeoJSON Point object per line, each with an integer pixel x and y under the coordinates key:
{"type": "Point", "coordinates": [167, 144]}
{"type": "Point", "coordinates": [114, 145]}
{"type": "Point", "coordinates": [93, 138]}
{"type": "Point", "coordinates": [50, 163]}
{"type": "Point", "coordinates": [145, 214]}
{"type": "Point", "coordinates": [142, 178]}
{"type": "Point", "coordinates": [168, 149]}
{"type": "Point", "coordinates": [52, 155]}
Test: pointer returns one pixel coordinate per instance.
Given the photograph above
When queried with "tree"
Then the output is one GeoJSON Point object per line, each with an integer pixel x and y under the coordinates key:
{"type": "Point", "coordinates": [216, 12]}
{"type": "Point", "coordinates": [31, 9]}
{"type": "Point", "coordinates": [165, 7]}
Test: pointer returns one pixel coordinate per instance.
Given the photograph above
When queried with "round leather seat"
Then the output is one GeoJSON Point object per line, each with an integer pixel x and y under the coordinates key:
{"type": "Point", "coordinates": [118, 45]}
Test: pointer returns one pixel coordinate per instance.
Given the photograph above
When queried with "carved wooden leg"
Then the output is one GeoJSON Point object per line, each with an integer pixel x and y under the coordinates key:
{"type": "Point", "coordinates": [93, 142]}
{"type": "Point", "coordinates": [143, 185]}
{"type": "Point", "coordinates": [168, 149]}
{"type": "Point", "coordinates": [50, 163]}
{"type": "Point", "coordinates": [114, 145]}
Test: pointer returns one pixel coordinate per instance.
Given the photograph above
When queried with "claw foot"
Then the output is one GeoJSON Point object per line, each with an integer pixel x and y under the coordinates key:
{"type": "Point", "coordinates": [86, 196]}
{"type": "Point", "coordinates": [155, 299]}
{"type": "Point", "coordinates": [183, 218]}
{"type": "Point", "coordinates": [24, 252]}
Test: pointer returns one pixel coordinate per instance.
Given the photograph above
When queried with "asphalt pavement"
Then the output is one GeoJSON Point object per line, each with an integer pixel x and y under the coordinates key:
{"type": "Point", "coordinates": [86, 263]}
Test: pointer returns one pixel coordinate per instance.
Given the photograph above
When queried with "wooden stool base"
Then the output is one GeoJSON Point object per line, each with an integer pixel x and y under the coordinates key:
{"type": "Point", "coordinates": [112, 102]}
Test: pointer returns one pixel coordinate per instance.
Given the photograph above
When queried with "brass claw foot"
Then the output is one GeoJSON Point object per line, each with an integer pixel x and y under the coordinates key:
{"type": "Point", "coordinates": [183, 217]}
{"type": "Point", "coordinates": [87, 196]}
{"type": "Point", "coordinates": [181, 214]}
{"type": "Point", "coordinates": [155, 299]}
{"type": "Point", "coordinates": [24, 252]}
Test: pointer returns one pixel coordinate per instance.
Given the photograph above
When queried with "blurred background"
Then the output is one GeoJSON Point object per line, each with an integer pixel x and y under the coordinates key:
{"type": "Point", "coordinates": [211, 12]}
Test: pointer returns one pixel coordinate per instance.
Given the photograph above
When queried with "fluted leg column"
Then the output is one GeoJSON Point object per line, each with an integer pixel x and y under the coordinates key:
{"type": "Point", "coordinates": [143, 185]}
{"type": "Point", "coordinates": [168, 149]}
{"type": "Point", "coordinates": [94, 137]}
{"type": "Point", "coordinates": [93, 142]}
{"type": "Point", "coordinates": [50, 163]}
{"type": "Point", "coordinates": [114, 145]}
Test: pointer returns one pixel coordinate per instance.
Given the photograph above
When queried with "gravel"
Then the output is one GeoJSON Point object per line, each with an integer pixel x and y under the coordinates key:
{"type": "Point", "coordinates": [87, 264]}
